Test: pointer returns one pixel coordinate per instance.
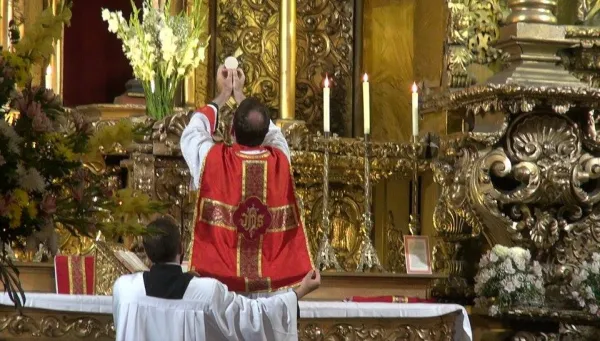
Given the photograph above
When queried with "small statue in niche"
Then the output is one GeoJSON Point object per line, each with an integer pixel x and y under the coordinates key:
{"type": "Point", "coordinates": [344, 233]}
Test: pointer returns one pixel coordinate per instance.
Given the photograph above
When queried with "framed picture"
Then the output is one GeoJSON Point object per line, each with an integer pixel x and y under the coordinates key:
{"type": "Point", "coordinates": [418, 258]}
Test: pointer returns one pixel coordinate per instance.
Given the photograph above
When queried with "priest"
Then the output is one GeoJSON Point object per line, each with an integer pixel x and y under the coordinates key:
{"type": "Point", "coordinates": [167, 304]}
{"type": "Point", "coordinates": [248, 228]}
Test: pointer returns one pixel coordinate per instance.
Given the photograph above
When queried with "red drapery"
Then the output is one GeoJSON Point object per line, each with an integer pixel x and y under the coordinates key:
{"type": "Point", "coordinates": [95, 69]}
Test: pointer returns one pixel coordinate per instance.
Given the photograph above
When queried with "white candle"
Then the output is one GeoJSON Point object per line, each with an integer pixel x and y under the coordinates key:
{"type": "Point", "coordinates": [326, 93]}
{"type": "Point", "coordinates": [415, 110]}
{"type": "Point", "coordinates": [366, 105]}
{"type": "Point", "coordinates": [48, 78]}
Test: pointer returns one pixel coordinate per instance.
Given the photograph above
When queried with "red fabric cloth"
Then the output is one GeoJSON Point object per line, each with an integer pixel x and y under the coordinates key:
{"type": "Point", "coordinates": [390, 299]}
{"type": "Point", "coordinates": [95, 67]}
{"type": "Point", "coordinates": [248, 231]}
{"type": "Point", "coordinates": [75, 275]}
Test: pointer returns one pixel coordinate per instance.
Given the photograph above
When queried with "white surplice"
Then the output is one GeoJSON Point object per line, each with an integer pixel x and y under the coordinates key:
{"type": "Point", "coordinates": [208, 311]}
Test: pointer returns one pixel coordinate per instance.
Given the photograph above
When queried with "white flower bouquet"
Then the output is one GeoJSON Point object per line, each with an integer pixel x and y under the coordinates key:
{"type": "Point", "coordinates": [585, 285]}
{"type": "Point", "coordinates": [162, 49]}
{"type": "Point", "coordinates": [507, 277]}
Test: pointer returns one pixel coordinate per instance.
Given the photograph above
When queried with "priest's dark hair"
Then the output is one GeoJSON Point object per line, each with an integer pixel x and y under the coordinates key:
{"type": "Point", "coordinates": [251, 122]}
{"type": "Point", "coordinates": [163, 242]}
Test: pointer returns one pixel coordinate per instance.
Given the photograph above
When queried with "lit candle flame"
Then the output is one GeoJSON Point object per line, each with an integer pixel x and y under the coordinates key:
{"type": "Point", "coordinates": [365, 78]}
{"type": "Point", "coordinates": [326, 82]}
{"type": "Point", "coordinates": [415, 88]}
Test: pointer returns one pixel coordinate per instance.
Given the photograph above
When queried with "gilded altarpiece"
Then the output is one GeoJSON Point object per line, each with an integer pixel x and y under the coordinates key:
{"type": "Point", "coordinates": [249, 30]}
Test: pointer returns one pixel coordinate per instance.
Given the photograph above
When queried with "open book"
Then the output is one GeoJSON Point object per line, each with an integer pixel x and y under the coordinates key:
{"type": "Point", "coordinates": [131, 261]}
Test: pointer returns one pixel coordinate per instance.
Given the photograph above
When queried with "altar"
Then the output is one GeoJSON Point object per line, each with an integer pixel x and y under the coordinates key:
{"type": "Point", "coordinates": [79, 317]}
{"type": "Point", "coordinates": [485, 165]}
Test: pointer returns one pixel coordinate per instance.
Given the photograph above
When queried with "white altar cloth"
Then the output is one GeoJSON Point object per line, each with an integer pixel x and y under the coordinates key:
{"type": "Point", "coordinates": [308, 309]}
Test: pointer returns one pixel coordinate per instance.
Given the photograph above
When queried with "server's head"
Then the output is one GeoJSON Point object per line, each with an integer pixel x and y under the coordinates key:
{"type": "Point", "coordinates": [163, 243]}
{"type": "Point", "coordinates": [251, 122]}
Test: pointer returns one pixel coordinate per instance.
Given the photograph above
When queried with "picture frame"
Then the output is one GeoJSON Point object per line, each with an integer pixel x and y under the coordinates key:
{"type": "Point", "coordinates": [417, 254]}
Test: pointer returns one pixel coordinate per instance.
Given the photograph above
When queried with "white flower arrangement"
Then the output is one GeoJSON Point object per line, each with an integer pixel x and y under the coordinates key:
{"type": "Point", "coordinates": [585, 285]}
{"type": "Point", "coordinates": [507, 277]}
{"type": "Point", "coordinates": [162, 49]}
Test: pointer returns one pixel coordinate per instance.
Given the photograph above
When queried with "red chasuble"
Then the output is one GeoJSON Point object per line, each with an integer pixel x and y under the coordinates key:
{"type": "Point", "coordinates": [248, 231]}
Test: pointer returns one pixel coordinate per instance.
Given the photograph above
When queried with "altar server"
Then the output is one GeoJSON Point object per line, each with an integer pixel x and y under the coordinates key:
{"type": "Point", "coordinates": [167, 304]}
{"type": "Point", "coordinates": [248, 228]}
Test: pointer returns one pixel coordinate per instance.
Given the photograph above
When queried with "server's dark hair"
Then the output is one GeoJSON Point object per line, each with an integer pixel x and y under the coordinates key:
{"type": "Point", "coordinates": [163, 242]}
{"type": "Point", "coordinates": [251, 132]}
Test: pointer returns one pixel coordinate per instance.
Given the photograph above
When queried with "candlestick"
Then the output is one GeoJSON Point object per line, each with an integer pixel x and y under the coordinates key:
{"type": "Point", "coordinates": [326, 108]}
{"type": "Point", "coordinates": [48, 79]}
{"type": "Point", "coordinates": [326, 258]}
{"type": "Point", "coordinates": [414, 222]}
{"type": "Point", "coordinates": [415, 110]}
{"type": "Point", "coordinates": [366, 105]}
{"type": "Point", "coordinates": [368, 254]}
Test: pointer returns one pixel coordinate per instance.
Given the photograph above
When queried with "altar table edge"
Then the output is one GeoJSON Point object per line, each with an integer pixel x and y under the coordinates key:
{"type": "Point", "coordinates": [308, 309]}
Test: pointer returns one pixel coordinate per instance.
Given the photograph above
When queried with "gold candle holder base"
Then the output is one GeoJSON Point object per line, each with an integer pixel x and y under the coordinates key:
{"type": "Point", "coordinates": [369, 260]}
{"type": "Point", "coordinates": [326, 258]}
{"type": "Point", "coordinates": [368, 255]}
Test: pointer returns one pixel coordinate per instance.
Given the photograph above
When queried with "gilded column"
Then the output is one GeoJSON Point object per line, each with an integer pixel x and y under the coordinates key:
{"type": "Point", "coordinates": [287, 59]}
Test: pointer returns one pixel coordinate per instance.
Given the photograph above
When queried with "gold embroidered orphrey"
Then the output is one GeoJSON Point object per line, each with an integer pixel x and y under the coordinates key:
{"type": "Point", "coordinates": [251, 219]}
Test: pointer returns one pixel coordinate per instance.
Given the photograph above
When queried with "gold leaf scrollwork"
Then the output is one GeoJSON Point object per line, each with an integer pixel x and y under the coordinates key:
{"type": "Point", "coordinates": [55, 326]}
{"type": "Point", "coordinates": [442, 331]}
{"type": "Point", "coordinates": [249, 29]}
{"type": "Point", "coordinates": [472, 30]}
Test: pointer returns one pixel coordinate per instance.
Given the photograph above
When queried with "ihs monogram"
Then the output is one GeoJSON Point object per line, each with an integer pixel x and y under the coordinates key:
{"type": "Point", "coordinates": [252, 220]}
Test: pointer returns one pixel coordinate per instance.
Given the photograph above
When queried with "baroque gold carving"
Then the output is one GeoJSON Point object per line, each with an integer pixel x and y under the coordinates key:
{"type": "Point", "coordinates": [47, 325]}
{"type": "Point", "coordinates": [513, 98]}
{"type": "Point", "coordinates": [583, 60]}
{"type": "Point", "coordinates": [249, 30]}
{"type": "Point", "coordinates": [396, 258]}
{"type": "Point", "coordinates": [473, 27]}
{"type": "Point", "coordinates": [385, 330]}
{"type": "Point", "coordinates": [57, 325]}
{"type": "Point", "coordinates": [108, 267]}
{"type": "Point", "coordinates": [587, 11]}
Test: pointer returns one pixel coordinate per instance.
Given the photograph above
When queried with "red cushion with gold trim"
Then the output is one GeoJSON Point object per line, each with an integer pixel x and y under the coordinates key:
{"type": "Point", "coordinates": [75, 275]}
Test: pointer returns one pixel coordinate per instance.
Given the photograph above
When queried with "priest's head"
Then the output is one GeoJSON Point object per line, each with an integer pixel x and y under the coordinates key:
{"type": "Point", "coordinates": [251, 122]}
{"type": "Point", "coordinates": [163, 243]}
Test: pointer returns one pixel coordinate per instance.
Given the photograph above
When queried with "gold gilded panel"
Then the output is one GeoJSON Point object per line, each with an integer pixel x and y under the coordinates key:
{"type": "Point", "coordinates": [430, 33]}
{"type": "Point", "coordinates": [345, 205]}
{"type": "Point", "coordinates": [250, 30]}
{"type": "Point", "coordinates": [388, 59]}
{"type": "Point", "coordinates": [197, 91]}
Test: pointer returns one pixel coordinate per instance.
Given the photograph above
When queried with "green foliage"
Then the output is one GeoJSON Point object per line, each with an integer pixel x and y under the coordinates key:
{"type": "Point", "coordinates": [51, 158]}
{"type": "Point", "coordinates": [38, 44]}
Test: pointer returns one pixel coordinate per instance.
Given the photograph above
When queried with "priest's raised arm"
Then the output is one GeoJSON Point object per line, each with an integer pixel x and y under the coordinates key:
{"type": "Point", "coordinates": [197, 137]}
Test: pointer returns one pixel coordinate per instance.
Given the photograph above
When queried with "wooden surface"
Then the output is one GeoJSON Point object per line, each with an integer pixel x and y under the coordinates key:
{"type": "Point", "coordinates": [342, 285]}
{"type": "Point", "coordinates": [37, 277]}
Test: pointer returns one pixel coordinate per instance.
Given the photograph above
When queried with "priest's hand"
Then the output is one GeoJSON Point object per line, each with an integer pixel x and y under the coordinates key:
{"type": "Point", "coordinates": [310, 283]}
{"type": "Point", "coordinates": [239, 79]}
{"type": "Point", "coordinates": [224, 84]}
